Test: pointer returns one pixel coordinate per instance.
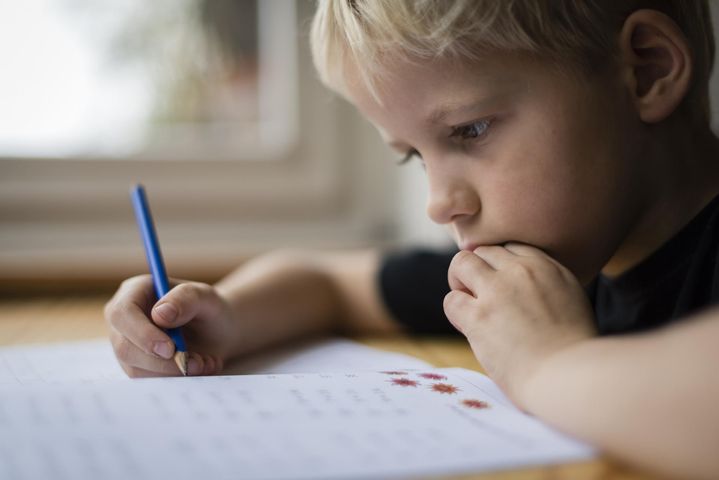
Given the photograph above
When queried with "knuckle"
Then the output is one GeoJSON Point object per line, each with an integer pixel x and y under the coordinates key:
{"type": "Point", "coordinates": [204, 291]}
{"type": "Point", "coordinates": [122, 311]}
{"type": "Point", "coordinates": [523, 270]}
{"type": "Point", "coordinates": [109, 310]}
{"type": "Point", "coordinates": [115, 311]}
{"type": "Point", "coordinates": [195, 294]}
{"type": "Point", "coordinates": [559, 269]}
{"type": "Point", "coordinates": [186, 293]}
{"type": "Point", "coordinates": [478, 311]}
{"type": "Point", "coordinates": [479, 307]}
{"type": "Point", "coordinates": [460, 259]}
{"type": "Point", "coordinates": [483, 311]}
{"type": "Point", "coordinates": [202, 287]}
{"type": "Point", "coordinates": [127, 283]}
{"type": "Point", "coordinates": [131, 282]}
{"type": "Point", "coordinates": [451, 301]}
{"type": "Point", "coordinates": [116, 307]}
{"type": "Point", "coordinates": [123, 349]}
{"type": "Point", "coordinates": [567, 275]}
{"type": "Point", "coordinates": [448, 304]}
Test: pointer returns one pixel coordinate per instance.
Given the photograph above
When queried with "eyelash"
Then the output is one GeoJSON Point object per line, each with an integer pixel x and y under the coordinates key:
{"type": "Point", "coordinates": [461, 132]}
{"type": "Point", "coordinates": [409, 156]}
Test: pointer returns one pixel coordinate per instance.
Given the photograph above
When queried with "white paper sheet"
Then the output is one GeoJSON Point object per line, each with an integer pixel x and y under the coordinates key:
{"type": "Point", "coordinates": [329, 355]}
{"type": "Point", "coordinates": [316, 425]}
{"type": "Point", "coordinates": [93, 361]}
{"type": "Point", "coordinates": [86, 361]}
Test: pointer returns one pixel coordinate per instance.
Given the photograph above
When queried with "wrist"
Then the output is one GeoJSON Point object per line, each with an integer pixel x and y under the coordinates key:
{"type": "Point", "coordinates": [275, 298]}
{"type": "Point", "coordinates": [552, 376]}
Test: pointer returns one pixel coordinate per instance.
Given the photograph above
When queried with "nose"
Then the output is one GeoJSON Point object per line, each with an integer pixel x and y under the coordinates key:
{"type": "Point", "coordinates": [451, 198]}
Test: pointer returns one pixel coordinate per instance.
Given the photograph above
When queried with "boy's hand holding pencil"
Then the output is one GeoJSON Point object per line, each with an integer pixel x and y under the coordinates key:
{"type": "Point", "coordinates": [141, 345]}
{"type": "Point", "coordinates": [142, 348]}
{"type": "Point", "coordinates": [270, 300]}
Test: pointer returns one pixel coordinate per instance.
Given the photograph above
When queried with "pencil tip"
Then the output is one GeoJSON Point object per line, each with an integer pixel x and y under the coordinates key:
{"type": "Point", "coordinates": [181, 361]}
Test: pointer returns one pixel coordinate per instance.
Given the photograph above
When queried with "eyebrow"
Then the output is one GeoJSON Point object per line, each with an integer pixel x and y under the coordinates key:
{"type": "Point", "coordinates": [440, 113]}
{"type": "Point", "coordinates": [455, 107]}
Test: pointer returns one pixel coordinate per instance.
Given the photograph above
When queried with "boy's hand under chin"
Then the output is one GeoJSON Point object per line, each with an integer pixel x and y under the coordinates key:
{"type": "Point", "coordinates": [517, 307]}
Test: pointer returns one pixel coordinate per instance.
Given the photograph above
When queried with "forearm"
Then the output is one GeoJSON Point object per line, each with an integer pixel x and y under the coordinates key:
{"type": "Point", "coordinates": [285, 295]}
{"type": "Point", "coordinates": [649, 399]}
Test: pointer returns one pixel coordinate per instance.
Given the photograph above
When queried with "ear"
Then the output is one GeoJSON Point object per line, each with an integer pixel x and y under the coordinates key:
{"type": "Point", "coordinates": [656, 58]}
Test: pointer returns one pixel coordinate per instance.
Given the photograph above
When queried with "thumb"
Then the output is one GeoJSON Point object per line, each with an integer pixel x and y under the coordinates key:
{"type": "Point", "coordinates": [186, 302]}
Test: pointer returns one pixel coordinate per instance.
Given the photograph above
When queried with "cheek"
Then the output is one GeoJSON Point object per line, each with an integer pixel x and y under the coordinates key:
{"type": "Point", "coordinates": [561, 188]}
{"type": "Point", "coordinates": [524, 193]}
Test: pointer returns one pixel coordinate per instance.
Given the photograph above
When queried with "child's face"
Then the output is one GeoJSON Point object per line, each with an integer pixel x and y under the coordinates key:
{"type": "Point", "coordinates": [514, 151]}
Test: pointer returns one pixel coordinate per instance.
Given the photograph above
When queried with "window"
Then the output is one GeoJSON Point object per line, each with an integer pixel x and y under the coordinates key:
{"type": "Point", "coordinates": [212, 104]}
{"type": "Point", "coordinates": [187, 79]}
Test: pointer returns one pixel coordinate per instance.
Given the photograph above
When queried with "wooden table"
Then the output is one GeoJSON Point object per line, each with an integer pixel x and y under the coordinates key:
{"type": "Point", "coordinates": [30, 319]}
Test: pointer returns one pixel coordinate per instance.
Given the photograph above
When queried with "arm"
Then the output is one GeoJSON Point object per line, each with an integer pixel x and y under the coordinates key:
{"type": "Point", "coordinates": [288, 294]}
{"type": "Point", "coordinates": [650, 399]}
{"type": "Point", "coordinates": [272, 299]}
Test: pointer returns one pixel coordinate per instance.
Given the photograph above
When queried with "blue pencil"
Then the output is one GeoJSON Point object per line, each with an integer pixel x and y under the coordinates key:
{"type": "Point", "coordinates": [157, 266]}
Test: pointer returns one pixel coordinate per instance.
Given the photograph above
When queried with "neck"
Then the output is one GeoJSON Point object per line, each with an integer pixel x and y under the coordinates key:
{"type": "Point", "coordinates": [683, 177]}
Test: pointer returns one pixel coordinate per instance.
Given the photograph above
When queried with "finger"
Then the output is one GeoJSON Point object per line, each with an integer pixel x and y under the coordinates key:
{"type": "Point", "coordinates": [524, 250]}
{"type": "Point", "coordinates": [212, 365]}
{"type": "Point", "coordinates": [130, 355]}
{"type": "Point", "coordinates": [125, 314]}
{"type": "Point", "coordinates": [137, 372]}
{"type": "Point", "coordinates": [136, 290]}
{"type": "Point", "coordinates": [467, 271]}
{"type": "Point", "coordinates": [186, 302]}
{"type": "Point", "coordinates": [496, 256]}
{"type": "Point", "coordinates": [456, 307]}
{"type": "Point", "coordinates": [219, 366]}
{"type": "Point", "coordinates": [195, 364]}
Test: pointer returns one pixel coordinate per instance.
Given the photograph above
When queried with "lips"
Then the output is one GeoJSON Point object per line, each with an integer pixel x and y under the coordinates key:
{"type": "Point", "coordinates": [468, 246]}
{"type": "Point", "coordinates": [471, 246]}
{"type": "Point", "coordinates": [483, 240]}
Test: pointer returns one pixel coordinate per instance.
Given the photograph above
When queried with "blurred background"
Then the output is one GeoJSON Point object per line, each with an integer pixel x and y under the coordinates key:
{"type": "Point", "coordinates": [215, 106]}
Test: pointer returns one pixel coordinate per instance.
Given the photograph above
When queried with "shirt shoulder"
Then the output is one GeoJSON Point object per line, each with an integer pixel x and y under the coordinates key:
{"type": "Point", "coordinates": [413, 284]}
{"type": "Point", "coordinates": [678, 279]}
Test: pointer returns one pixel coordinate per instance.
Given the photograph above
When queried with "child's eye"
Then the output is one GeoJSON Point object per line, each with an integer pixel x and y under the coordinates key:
{"type": "Point", "coordinates": [409, 156]}
{"type": "Point", "coordinates": [471, 130]}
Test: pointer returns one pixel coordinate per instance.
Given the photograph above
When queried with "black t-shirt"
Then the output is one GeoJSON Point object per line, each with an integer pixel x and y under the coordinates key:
{"type": "Point", "coordinates": [681, 277]}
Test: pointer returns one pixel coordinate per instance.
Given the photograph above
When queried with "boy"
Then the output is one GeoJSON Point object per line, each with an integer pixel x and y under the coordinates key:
{"type": "Point", "coordinates": [567, 146]}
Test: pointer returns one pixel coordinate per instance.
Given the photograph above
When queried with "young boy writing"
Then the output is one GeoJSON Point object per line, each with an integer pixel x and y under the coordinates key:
{"type": "Point", "coordinates": [567, 147]}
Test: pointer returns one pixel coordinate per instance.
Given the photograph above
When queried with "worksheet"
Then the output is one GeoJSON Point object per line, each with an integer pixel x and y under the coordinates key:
{"type": "Point", "coordinates": [361, 424]}
{"type": "Point", "coordinates": [57, 363]}
{"type": "Point", "coordinates": [94, 361]}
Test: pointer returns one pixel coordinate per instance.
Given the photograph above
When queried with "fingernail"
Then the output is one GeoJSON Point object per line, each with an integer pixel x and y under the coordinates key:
{"type": "Point", "coordinates": [167, 312]}
{"type": "Point", "coordinates": [163, 349]}
{"type": "Point", "coordinates": [193, 367]}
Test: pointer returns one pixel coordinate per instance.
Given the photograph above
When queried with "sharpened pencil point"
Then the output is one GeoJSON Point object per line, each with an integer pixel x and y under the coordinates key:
{"type": "Point", "coordinates": [181, 361]}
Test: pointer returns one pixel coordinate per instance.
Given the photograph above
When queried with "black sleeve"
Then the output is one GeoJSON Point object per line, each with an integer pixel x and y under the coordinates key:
{"type": "Point", "coordinates": [413, 285]}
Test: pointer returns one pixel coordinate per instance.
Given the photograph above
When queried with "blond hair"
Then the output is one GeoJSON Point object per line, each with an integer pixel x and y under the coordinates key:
{"type": "Point", "coordinates": [578, 34]}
